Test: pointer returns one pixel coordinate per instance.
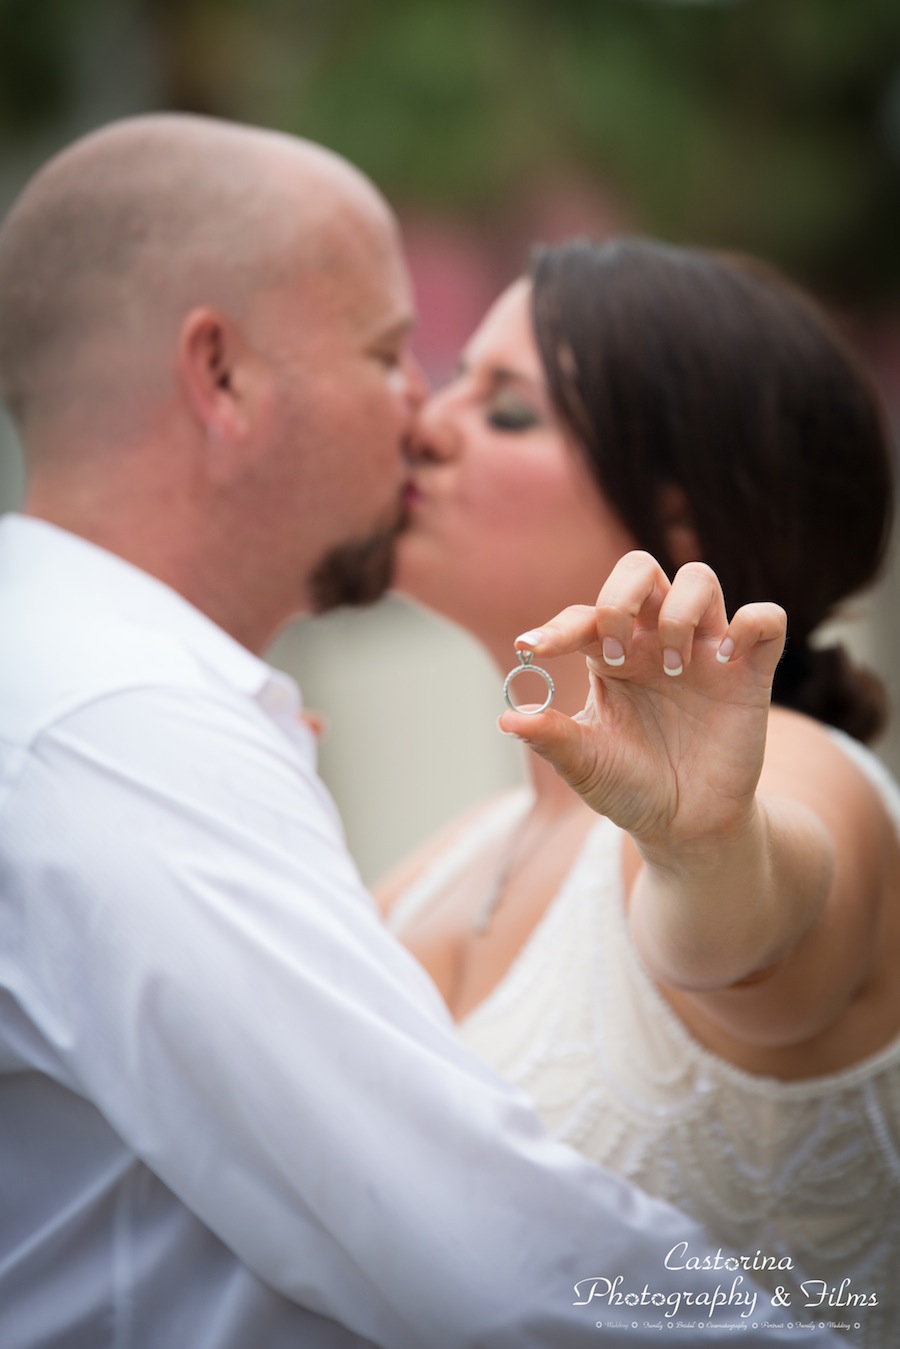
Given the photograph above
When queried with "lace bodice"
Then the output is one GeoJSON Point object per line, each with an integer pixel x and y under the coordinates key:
{"type": "Point", "coordinates": [807, 1171]}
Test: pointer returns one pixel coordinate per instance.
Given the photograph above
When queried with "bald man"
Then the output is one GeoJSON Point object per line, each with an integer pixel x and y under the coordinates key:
{"type": "Point", "coordinates": [233, 1113]}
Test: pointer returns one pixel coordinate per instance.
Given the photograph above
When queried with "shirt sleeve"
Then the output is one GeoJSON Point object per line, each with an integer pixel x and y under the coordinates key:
{"type": "Point", "coordinates": [214, 978]}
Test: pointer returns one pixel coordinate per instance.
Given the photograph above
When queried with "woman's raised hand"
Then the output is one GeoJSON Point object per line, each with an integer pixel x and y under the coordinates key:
{"type": "Point", "coordinates": [670, 743]}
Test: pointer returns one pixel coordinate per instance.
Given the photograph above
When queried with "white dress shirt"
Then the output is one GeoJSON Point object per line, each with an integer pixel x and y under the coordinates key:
{"type": "Point", "coordinates": [233, 1111]}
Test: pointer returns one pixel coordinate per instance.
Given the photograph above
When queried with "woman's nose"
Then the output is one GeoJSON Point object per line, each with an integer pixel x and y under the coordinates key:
{"type": "Point", "coordinates": [435, 435]}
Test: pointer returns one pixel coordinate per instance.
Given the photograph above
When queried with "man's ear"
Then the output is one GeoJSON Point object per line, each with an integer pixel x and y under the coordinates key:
{"type": "Point", "coordinates": [678, 525]}
{"type": "Point", "coordinates": [209, 374]}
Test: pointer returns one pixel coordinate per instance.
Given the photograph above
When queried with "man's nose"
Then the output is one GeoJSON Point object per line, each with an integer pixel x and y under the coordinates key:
{"type": "Point", "coordinates": [416, 388]}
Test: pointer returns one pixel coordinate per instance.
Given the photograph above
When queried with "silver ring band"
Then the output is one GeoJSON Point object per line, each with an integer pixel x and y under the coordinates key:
{"type": "Point", "coordinates": [525, 663]}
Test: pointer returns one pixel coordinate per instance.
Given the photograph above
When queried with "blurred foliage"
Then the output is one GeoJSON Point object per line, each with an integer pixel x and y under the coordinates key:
{"type": "Point", "coordinates": [772, 125]}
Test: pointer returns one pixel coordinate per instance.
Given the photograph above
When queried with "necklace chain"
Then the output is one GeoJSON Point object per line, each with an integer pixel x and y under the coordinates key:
{"type": "Point", "coordinates": [513, 856]}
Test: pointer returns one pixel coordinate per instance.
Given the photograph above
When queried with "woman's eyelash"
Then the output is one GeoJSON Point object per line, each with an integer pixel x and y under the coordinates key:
{"type": "Point", "coordinates": [511, 416]}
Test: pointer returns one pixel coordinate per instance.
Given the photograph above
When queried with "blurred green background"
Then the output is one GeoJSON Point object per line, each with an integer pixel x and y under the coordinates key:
{"type": "Point", "coordinates": [767, 125]}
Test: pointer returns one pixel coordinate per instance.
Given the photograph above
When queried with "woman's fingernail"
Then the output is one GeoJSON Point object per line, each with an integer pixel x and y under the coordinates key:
{"type": "Point", "coordinates": [672, 663]}
{"type": "Point", "coordinates": [613, 651]}
{"type": "Point", "coordinates": [725, 651]}
{"type": "Point", "coordinates": [531, 638]}
{"type": "Point", "coordinates": [511, 734]}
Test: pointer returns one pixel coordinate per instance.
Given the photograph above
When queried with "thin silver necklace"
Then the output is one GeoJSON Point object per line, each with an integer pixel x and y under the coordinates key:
{"type": "Point", "coordinates": [512, 857]}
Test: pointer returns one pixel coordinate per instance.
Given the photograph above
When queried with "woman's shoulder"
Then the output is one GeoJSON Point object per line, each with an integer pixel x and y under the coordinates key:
{"type": "Point", "coordinates": [411, 868]}
{"type": "Point", "coordinates": [853, 795]}
{"type": "Point", "coordinates": [807, 757]}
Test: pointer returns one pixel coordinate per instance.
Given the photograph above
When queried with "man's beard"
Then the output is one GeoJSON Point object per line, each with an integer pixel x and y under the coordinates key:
{"type": "Point", "coordinates": [355, 573]}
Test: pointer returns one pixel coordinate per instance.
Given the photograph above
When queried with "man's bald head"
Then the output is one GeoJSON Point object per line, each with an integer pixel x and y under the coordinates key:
{"type": "Point", "coordinates": [118, 236]}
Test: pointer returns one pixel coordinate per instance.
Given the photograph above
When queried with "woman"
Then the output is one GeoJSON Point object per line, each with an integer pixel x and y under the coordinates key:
{"type": "Point", "coordinates": [690, 962]}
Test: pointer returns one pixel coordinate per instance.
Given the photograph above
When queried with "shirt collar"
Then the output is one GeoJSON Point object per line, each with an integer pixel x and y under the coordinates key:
{"type": "Point", "coordinates": [83, 568]}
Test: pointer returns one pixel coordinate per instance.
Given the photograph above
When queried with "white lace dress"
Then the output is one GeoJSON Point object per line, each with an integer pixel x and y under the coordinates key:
{"type": "Point", "coordinates": [807, 1172]}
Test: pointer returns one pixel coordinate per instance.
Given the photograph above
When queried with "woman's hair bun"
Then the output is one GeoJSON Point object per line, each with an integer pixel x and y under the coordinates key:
{"type": "Point", "coordinates": [823, 682]}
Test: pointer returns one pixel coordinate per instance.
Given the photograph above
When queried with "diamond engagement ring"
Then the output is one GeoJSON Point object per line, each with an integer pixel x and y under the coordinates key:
{"type": "Point", "coordinates": [525, 663]}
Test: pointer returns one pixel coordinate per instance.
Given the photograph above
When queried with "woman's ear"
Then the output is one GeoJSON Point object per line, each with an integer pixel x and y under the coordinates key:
{"type": "Point", "coordinates": [208, 361]}
{"type": "Point", "coordinates": [678, 526]}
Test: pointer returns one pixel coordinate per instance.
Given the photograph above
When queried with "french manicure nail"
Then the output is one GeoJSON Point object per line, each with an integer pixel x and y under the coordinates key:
{"type": "Point", "coordinates": [672, 664]}
{"type": "Point", "coordinates": [725, 651]}
{"type": "Point", "coordinates": [531, 638]}
{"type": "Point", "coordinates": [613, 651]}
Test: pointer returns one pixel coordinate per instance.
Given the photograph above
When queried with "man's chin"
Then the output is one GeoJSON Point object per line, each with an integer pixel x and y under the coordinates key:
{"type": "Point", "coordinates": [356, 573]}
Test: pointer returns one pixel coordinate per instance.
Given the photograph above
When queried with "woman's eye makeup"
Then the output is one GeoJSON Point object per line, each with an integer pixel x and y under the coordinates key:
{"type": "Point", "coordinates": [508, 412]}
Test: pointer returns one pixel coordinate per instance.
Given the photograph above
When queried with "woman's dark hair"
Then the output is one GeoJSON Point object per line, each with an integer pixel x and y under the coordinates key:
{"type": "Point", "coordinates": [707, 379]}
